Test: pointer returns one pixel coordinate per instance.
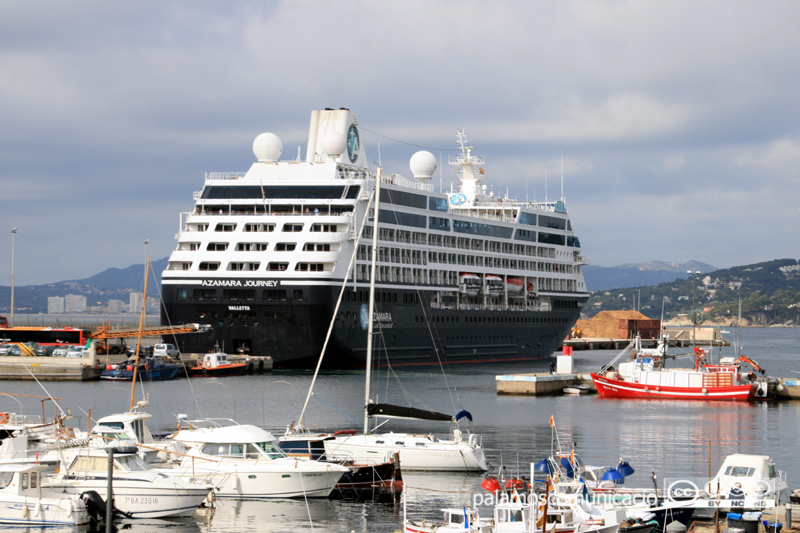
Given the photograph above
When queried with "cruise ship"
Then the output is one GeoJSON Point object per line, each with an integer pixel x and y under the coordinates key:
{"type": "Point", "coordinates": [267, 256]}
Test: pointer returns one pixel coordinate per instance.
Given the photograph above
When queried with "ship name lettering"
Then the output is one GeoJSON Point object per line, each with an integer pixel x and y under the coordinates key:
{"type": "Point", "coordinates": [260, 283]}
{"type": "Point", "coordinates": [238, 308]}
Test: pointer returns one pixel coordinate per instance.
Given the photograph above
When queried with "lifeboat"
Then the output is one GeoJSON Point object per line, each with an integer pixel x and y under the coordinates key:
{"type": "Point", "coordinates": [469, 284]}
{"type": "Point", "coordinates": [493, 285]}
{"type": "Point", "coordinates": [514, 285]}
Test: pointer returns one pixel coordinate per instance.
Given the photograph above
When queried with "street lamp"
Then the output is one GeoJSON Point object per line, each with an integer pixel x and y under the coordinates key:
{"type": "Point", "coordinates": [13, 233]}
{"type": "Point", "coordinates": [694, 312]}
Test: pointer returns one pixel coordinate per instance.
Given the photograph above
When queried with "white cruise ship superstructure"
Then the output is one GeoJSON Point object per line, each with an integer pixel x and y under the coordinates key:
{"type": "Point", "coordinates": [462, 277]}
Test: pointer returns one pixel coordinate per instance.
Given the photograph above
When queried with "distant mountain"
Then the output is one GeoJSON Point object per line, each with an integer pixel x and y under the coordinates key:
{"type": "Point", "coordinates": [110, 284]}
{"type": "Point", "coordinates": [769, 292]}
{"type": "Point", "coordinates": [600, 278]}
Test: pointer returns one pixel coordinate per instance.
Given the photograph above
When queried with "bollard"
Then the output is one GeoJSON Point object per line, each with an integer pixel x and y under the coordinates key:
{"type": "Point", "coordinates": [788, 518]}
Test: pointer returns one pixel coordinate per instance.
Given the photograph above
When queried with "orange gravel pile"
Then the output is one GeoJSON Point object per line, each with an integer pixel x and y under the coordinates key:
{"type": "Point", "coordinates": [605, 324]}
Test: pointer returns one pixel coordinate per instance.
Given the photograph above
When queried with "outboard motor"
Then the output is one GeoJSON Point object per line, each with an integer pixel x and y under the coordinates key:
{"type": "Point", "coordinates": [95, 505]}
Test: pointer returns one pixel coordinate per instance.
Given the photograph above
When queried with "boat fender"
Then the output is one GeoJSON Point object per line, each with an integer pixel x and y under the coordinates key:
{"type": "Point", "coordinates": [3, 418]}
{"type": "Point", "coordinates": [237, 484]}
{"type": "Point", "coordinates": [37, 509]}
{"type": "Point", "coordinates": [25, 511]}
{"type": "Point", "coordinates": [705, 390]}
{"type": "Point", "coordinates": [70, 507]}
{"type": "Point", "coordinates": [345, 432]}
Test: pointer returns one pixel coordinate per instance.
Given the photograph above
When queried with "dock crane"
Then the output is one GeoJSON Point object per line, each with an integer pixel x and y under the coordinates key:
{"type": "Point", "coordinates": [105, 333]}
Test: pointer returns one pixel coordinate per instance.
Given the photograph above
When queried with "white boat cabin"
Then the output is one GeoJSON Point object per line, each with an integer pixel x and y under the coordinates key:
{"type": "Point", "coordinates": [748, 477]}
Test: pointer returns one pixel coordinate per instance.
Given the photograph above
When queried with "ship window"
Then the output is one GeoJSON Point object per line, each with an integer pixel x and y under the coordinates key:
{"type": "Point", "coordinates": [285, 246]}
{"type": "Point", "coordinates": [293, 227]}
{"type": "Point", "coordinates": [272, 191]}
{"type": "Point", "coordinates": [179, 265]}
{"type": "Point", "coordinates": [551, 238]}
{"type": "Point", "coordinates": [310, 267]}
{"type": "Point", "coordinates": [239, 294]}
{"type": "Point", "coordinates": [437, 204]}
{"type": "Point", "coordinates": [182, 294]}
{"type": "Point", "coordinates": [188, 246]}
{"type": "Point", "coordinates": [205, 294]}
{"type": "Point", "coordinates": [205, 315]}
{"type": "Point", "coordinates": [527, 218]}
{"type": "Point", "coordinates": [477, 228]}
{"type": "Point", "coordinates": [403, 219]}
{"type": "Point", "coordinates": [217, 246]}
{"type": "Point", "coordinates": [439, 224]}
{"type": "Point", "coordinates": [331, 228]}
{"type": "Point", "coordinates": [208, 265]}
{"type": "Point", "coordinates": [259, 227]}
{"type": "Point", "coordinates": [274, 294]}
{"type": "Point", "coordinates": [404, 198]}
{"type": "Point", "coordinates": [552, 222]}
{"type": "Point", "coordinates": [298, 293]}
{"type": "Point", "coordinates": [225, 226]}
{"type": "Point", "coordinates": [525, 235]}
{"type": "Point", "coordinates": [317, 247]}
{"type": "Point", "coordinates": [196, 226]}
{"type": "Point", "coordinates": [276, 266]}
{"type": "Point", "coordinates": [243, 267]}
{"type": "Point", "coordinates": [352, 192]}
{"type": "Point", "coordinates": [251, 247]}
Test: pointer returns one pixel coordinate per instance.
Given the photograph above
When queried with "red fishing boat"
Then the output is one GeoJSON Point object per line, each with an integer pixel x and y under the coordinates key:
{"type": "Point", "coordinates": [643, 375]}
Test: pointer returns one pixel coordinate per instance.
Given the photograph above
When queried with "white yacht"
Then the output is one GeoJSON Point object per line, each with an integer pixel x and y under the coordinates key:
{"type": "Point", "coordinates": [262, 256]}
{"type": "Point", "coordinates": [244, 461]}
{"type": "Point", "coordinates": [139, 490]}
{"type": "Point", "coordinates": [417, 451]}
{"type": "Point", "coordinates": [24, 502]}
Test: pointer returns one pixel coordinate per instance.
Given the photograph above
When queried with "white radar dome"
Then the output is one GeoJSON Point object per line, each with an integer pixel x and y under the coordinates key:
{"type": "Point", "coordinates": [423, 165]}
{"type": "Point", "coordinates": [334, 143]}
{"type": "Point", "coordinates": [267, 147]}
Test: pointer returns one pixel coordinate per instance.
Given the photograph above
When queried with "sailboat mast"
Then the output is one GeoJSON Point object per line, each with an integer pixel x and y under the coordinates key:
{"type": "Point", "coordinates": [372, 296]}
{"type": "Point", "coordinates": [141, 325]}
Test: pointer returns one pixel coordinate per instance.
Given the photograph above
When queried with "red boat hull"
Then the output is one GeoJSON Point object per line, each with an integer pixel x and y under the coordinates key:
{"type": "Point", "coordinates": [615, 388]}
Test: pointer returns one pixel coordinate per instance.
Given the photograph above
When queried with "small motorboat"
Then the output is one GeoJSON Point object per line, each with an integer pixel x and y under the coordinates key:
{"type": "Point", "coordinates": [24, 502]}
{"type": "Point", "coordinates": [154, 368]}
{"type": "Point", "coordinates": [217, 363]}
{"type": "Point", "coordinates": [577, 389]}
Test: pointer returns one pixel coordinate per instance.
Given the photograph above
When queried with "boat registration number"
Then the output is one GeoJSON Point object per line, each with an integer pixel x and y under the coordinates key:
{"type": "Point", "coordinates": [141, 500]}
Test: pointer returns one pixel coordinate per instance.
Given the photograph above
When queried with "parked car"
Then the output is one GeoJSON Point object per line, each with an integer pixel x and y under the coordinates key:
{"type": "Point", "coordinates": [61, 351]}
{"type": "Point", "coordinates": [10, 349]}
{"type": "Point", "coordinates": [76, 351]}
{"type": "Point", "coordinates": [41, 350]}
{"type": "Point", "coordinates": [166, 350]}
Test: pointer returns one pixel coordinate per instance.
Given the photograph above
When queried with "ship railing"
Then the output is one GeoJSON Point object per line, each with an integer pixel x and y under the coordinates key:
{"type": "Point", "coordinates": [396, 179]}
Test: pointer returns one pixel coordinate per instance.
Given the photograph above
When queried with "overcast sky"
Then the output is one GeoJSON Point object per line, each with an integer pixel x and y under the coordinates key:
{"type": "Point", "coordinates": [679, 122]}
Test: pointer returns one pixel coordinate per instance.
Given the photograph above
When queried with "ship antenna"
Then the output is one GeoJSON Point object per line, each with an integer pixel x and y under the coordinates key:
{"type": "Point", "coordinates": [562, 175]}
{"type": "Point", "coordinates": [545, 186]}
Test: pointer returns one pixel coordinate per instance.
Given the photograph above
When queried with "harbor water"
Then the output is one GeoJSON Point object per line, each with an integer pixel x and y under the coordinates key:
{"type": "Point", "coordinates": [674, 439]}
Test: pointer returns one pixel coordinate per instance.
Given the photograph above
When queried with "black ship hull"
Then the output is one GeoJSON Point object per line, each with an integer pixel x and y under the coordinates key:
{"type": "Point", "coordinates": [411, 328]}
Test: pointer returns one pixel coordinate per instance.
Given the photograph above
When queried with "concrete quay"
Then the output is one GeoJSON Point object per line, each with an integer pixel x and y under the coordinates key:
{"type": "Point", "coordinates": [540, 384]}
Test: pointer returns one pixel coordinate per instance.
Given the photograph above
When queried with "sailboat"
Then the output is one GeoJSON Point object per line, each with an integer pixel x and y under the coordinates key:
{"type": "Point", "coordinates": [416, 451]}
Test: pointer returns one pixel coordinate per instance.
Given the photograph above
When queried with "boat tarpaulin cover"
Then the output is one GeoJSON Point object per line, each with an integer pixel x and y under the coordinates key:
{"type": "Point", "coordinates": [386, 410]}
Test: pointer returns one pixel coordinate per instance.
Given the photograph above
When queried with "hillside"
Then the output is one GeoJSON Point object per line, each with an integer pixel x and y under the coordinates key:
{"type": "Point", "coordinates": [769, 292]}
{"type": "Point", "coordinates": [110, 284]}
{"type": "Point", "coordinates": [599, 278]}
